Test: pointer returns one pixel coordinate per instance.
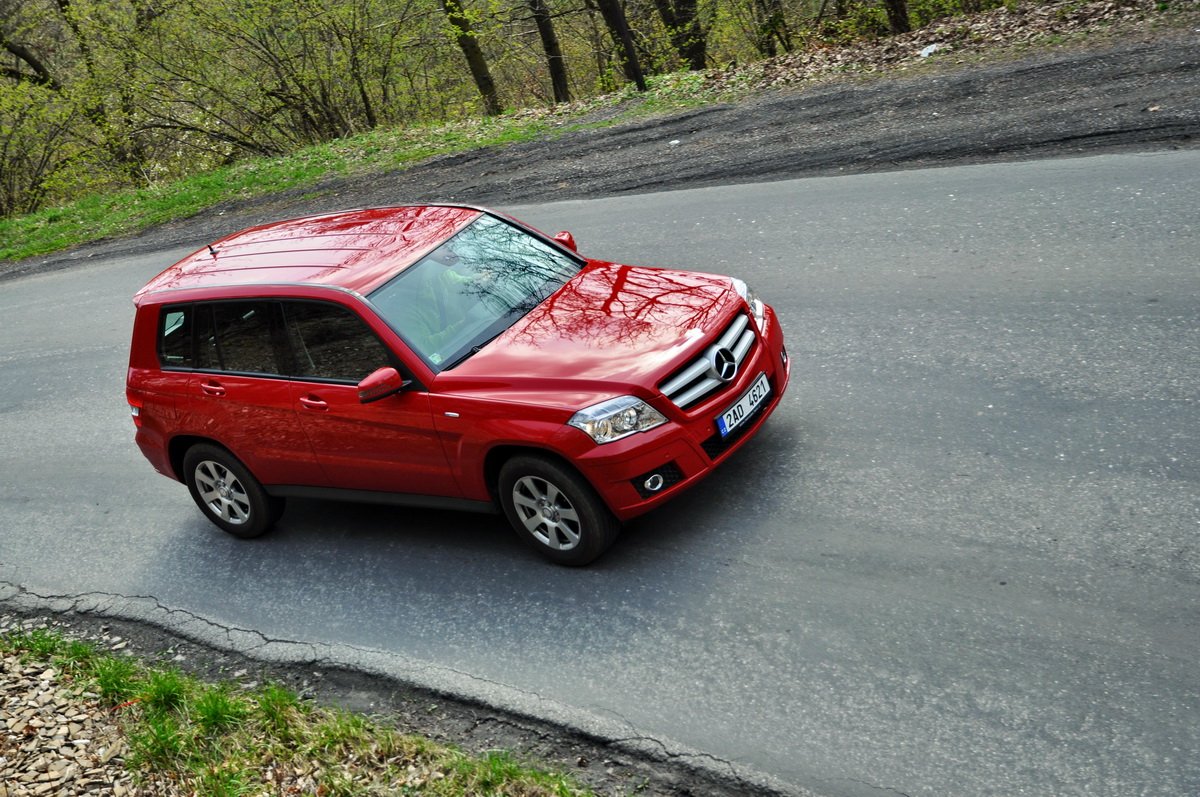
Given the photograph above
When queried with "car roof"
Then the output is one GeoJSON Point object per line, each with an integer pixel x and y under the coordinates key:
{"type": "Point", "coordinates": [357, 250]}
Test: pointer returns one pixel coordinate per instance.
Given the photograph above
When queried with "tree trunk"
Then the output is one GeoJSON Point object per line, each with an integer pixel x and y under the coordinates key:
{"type": "Point", "coordinates": [772, 28]}
{"type": "Point", "coordinates": [554, 57]}
{"type": "Point", "coordinates": [618, 26]}
{"type": "Point", "coordinates": [897, 11]}
{"type": "Point", "coordinates": [474, 55]}
{"type": "Point", "coordinates": [688, 36]}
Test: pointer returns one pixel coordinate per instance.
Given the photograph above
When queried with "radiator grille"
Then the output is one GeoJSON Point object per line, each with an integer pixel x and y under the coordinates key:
{"type": "Point", "coordinates": [700, 378]}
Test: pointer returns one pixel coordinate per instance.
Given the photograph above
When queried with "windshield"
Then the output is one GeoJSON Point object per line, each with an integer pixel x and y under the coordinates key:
{"type": "Point", "coordinates": [451, 302]}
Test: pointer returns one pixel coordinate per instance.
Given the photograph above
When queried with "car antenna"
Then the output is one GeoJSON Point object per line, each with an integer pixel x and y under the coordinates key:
{"type": "Point", "coordinates": [212, 251]}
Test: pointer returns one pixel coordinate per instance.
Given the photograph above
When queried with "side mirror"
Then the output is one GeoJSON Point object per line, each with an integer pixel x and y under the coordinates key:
{"type": "Point", "coordinates": [566, 239]}
{"type": "Point", "coordinates": [380, 384]}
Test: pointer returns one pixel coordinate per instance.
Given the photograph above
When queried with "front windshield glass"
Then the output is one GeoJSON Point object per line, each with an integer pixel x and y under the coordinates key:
{"type": "Point", "coordinates": [451, 302]}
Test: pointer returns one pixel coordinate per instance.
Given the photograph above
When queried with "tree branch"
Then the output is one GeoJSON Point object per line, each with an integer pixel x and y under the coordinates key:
{"type": "Point", "coordinates": [41, 75]}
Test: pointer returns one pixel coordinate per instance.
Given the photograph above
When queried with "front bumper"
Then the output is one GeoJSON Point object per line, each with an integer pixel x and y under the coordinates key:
{"type": "Point", "coordinates": [688, 447]}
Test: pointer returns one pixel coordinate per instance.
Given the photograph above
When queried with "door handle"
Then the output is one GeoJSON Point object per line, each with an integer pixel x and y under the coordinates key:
{"type": "Point", "coordinates": [212, 388]}
{"type": "Point", "coordinates": [313, 403]}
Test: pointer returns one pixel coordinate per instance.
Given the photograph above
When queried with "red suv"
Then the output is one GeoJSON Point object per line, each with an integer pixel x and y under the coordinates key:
{"type": "Point", "coordinates": [444, 356]}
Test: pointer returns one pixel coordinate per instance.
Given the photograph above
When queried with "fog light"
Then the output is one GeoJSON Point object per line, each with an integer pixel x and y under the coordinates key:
{"type": "Point", "coordinates": [653, 482]}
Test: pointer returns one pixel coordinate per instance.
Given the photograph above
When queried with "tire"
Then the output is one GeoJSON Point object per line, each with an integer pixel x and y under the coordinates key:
{"type": "Point", "coordinates": [227, 493]}
{"type": "Point", "coordinates": [555, 510]}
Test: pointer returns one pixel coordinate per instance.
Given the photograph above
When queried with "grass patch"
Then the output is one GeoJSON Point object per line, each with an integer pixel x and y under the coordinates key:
{"type": "Point", "coordinates": [117, 679]}
{"type": "Point", "coordinates": [219, 740]}
{"type": "Point", "coordinates": [165, 691]}
{"type": "Point", "coordinates": [43, 644]}
{"type": "Point", "coordinates": [122, 213]}
{"type": "Point", "coordinates": [277, 708]}
{"type": "Point", "coordinates": [218, 709]}
{"type": "Point", "coordinates": [158, 742]}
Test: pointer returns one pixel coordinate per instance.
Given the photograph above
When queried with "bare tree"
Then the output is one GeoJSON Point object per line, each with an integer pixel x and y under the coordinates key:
{"type": "Point", "coordinates": [897, 12]}
{"type": "Point", "coordinates": [465, 36]}
{"type": "Point", "coordinates": [772, 31]}
{"type": "Point", "coordinates": [34, 70]}
{"type": "Point", "coordinates": [688, 34]}
{"type": "Point", "coordinates": [618, 26]}
{"type": "Point", "coordinates": [554, 57]}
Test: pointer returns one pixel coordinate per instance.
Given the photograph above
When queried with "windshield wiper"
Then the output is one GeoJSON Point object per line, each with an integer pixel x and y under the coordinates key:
{"type": "Point", "coordinates": [478, 347]}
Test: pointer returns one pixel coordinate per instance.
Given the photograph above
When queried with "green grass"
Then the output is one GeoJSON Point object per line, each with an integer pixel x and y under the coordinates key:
{"type": "Point", "coordinates": [94, 218]}
{"type": "Point", "coordinates": [117, 680]}
{"type": "Point", "coordinates": [217, 709]}
{"type": "Point", "coordinates": [125, 212]}
{"type": "Point", "coordinates": [43, 644]}
{"type": "Point", "coordinates": [219, 740]}
{"type": "Point", "coordinates": [276, 709]}
{"type": "Point", "coordinates": [159, 742]}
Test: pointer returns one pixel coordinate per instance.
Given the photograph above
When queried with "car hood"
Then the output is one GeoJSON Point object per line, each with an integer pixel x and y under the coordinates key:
{"type": "Point", "coordinates": [609, 329]}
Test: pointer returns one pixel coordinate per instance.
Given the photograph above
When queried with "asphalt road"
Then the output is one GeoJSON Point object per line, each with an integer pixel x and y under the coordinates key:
{"type": "Point", "coordinates": [961, 559]}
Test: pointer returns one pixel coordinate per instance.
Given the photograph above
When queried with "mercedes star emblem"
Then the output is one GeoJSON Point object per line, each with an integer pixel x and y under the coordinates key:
{"type": "Point", "coordinates": [724, 366]}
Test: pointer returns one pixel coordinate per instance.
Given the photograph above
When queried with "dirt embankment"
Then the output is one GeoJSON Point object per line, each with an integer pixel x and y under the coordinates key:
{"type": "Point", "coordinates": [1135, 95]}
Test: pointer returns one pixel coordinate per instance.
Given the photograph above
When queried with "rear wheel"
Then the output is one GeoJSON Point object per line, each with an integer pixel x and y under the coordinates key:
{"type": "Point", "coordinates": [555, 510]}
{"type": "Point", "coordinates": [227, 493]}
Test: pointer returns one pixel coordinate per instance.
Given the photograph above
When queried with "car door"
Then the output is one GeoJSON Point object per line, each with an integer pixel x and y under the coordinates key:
{"type": "Point", "coordinates": [388, 445]}
{"type": "Point", "coordinates": [238, 393]}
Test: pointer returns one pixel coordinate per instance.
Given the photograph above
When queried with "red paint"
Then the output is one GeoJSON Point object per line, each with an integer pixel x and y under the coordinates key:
{"type": "Point", "coordinates": [357, 250]}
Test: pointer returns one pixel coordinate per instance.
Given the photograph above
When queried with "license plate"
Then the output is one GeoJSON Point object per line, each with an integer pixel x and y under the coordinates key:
{"type": "Point", "coordinates": [744, 408]}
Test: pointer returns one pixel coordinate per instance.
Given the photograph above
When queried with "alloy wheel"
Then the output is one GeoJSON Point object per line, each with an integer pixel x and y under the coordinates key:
{"type": "Point", "coordinates": [547, 513]}
{"type": "Point", "coordinates": [222, 492]}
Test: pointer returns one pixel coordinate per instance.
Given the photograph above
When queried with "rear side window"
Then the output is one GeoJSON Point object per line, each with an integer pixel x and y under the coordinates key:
{"type": "Point", "coordinates": [329, 341]}
{"type": "Point", "coordinates": [242, 337]}
{"type": "Point", "coordinates": [175, 338]}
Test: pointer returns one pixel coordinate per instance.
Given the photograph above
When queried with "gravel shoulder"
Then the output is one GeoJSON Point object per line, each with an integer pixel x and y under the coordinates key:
{"type": "Point", "coordinates": [56, 740]}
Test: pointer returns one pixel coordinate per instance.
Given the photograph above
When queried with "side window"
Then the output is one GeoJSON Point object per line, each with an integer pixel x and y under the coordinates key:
{"type": "Point", "coordinates": [239, 338]}
{"type": "Point", "coordinates": [175, 337]}
{"type": "Point", "coordinates": [229, 336]}
{"type": "Point", "coordinates": [329, 341]}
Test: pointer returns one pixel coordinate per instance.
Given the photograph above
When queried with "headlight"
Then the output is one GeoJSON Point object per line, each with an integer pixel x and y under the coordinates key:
{"type": "Point", "coordinates": [751, 298]}
{"type": "Point", "coordinates": [616, 418]}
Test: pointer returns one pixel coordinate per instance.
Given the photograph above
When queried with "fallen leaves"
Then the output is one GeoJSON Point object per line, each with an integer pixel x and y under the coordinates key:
{"type": "Point", "coordinates": [1015, 24]}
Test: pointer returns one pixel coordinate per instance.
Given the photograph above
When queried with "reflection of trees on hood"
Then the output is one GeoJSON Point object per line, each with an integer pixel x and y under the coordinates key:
{"type": "Point", "coordinates": [623, 303]}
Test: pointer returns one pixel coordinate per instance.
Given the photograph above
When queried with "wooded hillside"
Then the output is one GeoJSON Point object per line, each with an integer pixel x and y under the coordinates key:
{"type": "Point", "coordinates": [100, 94]}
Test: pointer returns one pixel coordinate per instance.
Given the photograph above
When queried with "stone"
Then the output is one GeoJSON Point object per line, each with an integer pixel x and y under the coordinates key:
{"type": "Point", "coordinates": [46, 731]}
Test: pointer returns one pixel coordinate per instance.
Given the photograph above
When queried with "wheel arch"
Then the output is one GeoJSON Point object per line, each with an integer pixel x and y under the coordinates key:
{"type": "Point", "coordinates": [178, 447]}
{"type": "Point", "coordinates": [497, 456]}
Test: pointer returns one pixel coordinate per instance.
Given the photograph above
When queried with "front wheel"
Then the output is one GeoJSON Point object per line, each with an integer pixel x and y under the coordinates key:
{"type": "Point", "coordinates": [555, 510]}
{"type": "Point", "coordinates": [227, 493]}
